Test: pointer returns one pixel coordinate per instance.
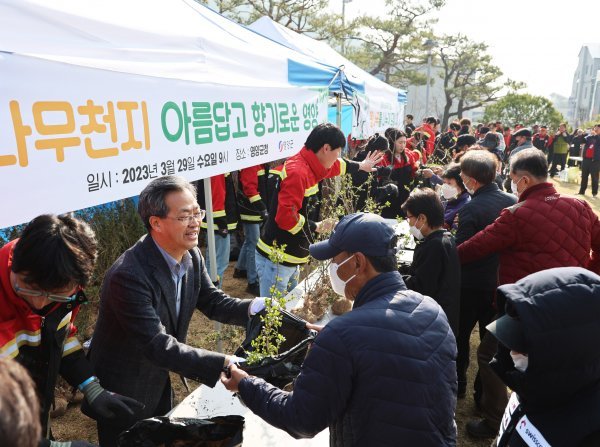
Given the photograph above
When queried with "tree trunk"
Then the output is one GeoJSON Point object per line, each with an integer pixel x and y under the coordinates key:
{"type": "Point", "coordinates": [446, 115]}
{"type": "Point", "coordinates": [460, 109]}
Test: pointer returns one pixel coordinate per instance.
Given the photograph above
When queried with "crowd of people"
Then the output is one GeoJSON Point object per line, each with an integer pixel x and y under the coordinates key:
{"type": "Point", "coordinates": [496, 245]}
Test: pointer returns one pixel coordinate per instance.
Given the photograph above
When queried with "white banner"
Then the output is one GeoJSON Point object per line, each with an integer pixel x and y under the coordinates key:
{"type": "Point", "coordinates": [374, 116]}
{"type": "Point", "coordinates": [74, 137]}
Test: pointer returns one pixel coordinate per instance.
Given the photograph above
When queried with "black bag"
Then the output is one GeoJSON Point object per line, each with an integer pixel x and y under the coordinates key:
{"type": "Point", "coordinates": [283, 368]}
{"type": "Point", "coordinates": [222, 431]}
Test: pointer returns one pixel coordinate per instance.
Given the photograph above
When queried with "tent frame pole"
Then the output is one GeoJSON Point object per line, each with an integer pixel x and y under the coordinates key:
{"type": "Point", "coordinates": [212, 254]}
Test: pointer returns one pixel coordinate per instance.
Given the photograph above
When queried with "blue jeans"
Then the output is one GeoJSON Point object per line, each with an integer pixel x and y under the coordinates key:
{"type": "Point", "coordinates": [246, 260]}
{"type": "Point", "coordinates": [222, 252]}
{"type": "Point", "coordinates": [269, 274]}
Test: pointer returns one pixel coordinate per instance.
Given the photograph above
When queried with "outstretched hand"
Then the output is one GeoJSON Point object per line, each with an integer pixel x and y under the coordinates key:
{"type": "Point", "coordinates": [372, 158]}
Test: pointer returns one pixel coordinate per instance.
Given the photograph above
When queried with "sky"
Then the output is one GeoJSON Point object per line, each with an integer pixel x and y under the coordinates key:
{"type": "Point", "coordinates": [533, 41]}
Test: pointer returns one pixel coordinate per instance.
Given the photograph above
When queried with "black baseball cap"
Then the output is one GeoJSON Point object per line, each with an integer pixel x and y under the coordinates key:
{"type": "Point", "coordinates": [366, 233]}
{"type": "Point", "coordinates": [509, 331]}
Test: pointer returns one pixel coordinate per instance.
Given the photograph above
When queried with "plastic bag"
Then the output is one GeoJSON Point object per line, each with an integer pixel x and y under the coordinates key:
{"type": "Point", "coordinates": [285, 367]}
{"type": "Point", "coordinates": [222, 431]}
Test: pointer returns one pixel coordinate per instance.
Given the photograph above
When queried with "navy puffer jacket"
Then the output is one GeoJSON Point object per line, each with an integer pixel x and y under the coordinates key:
{"type": "Point", "coordinates": [560, 389]}
{"type": "Point", "coordinates": [383, 374]}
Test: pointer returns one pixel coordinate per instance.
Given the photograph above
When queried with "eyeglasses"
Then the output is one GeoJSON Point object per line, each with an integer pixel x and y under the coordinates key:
{"type": "Point", "coordinates": [188, 219]}
{"type": "Point", "coordinates": [50, 296]}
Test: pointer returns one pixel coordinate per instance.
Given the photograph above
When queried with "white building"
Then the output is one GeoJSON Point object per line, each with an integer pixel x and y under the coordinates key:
{"type": "Point", "coordinates": [584, 102]}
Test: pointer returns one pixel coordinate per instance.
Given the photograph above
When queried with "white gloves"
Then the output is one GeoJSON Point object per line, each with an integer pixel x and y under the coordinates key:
{"type": "Point", "coordinates": [257, 305]}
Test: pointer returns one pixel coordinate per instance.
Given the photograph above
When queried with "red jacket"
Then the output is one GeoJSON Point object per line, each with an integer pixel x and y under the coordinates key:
{"type": "Point", "coordinates": [45, 344]}
{"type": "Point", "coordinates": [252, 195]}
{"type": "Point", "coordinates": [543, 230]}
{"type": "Point", "coordinates": [430, 143]}
{"type": "Point", "coordinates": [225, 212]}
{"type": "Point", "coordinates": [412, 160]}
{"type": "Point", "coordinates": [292, 217]}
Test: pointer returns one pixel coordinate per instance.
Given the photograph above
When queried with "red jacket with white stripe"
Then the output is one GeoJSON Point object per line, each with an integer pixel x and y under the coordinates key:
{"type": "Point", "coordinates": [292, 215]}
{"type": "Point", "coordinates": [252, 193]}
{"type": "Point", "coordinates": [543, 230]}
{"type": "Point", "coordinates": [225, 213]}
{"type": "Point", "coordinates": [44, 341]}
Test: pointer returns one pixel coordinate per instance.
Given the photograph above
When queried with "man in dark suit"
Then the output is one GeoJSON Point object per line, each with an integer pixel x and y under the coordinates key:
{"type": "Point", "coordinates": [147, 300]}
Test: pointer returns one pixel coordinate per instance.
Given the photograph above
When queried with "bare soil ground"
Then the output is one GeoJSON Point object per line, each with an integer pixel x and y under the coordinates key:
{"type": "Point", "coordinates": [74, 425]}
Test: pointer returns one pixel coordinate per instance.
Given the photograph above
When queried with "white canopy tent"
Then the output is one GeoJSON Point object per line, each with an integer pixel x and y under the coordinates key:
{"type": "Point", "coordinates": [377, 105]}
{"type": "Point", "coordinates": [99, 96]}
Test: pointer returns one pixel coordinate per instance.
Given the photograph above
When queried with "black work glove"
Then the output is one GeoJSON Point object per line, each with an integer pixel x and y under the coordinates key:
{"type": "Point", "coordinates": [389, 191]}
{"type": "Point", "coordinates": [262, 209]}
{"type": "Point", "coordinates": [384, 171]}
{"type": "Point", "coordinates": [100, 403]}
{"type": "Point", "coordinates": [222, 229]}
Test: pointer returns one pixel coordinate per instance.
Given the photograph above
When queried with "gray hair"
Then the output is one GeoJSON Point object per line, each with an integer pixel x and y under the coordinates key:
{"type": "Point", "coordinates": [479, 165]}
{"type": "Point", "coordinates": [152, 198]}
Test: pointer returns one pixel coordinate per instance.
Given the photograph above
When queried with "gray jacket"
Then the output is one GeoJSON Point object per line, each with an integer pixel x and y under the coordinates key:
{"type": "Point", "coordinates": [138, 338]}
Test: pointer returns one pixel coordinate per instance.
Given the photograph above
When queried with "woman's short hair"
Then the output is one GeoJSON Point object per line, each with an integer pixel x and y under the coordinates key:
{"type": "Point", "coordinates": [453, 172]}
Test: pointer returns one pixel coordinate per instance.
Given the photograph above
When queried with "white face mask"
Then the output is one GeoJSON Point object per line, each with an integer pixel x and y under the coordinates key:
{"type": "Point", "coordinates": [449, 192]}
{"type": "Point", "coordinates": [416, 232]}
{"type": "Point", "coordinates": [521, 361]}
{"type": "Point", "coordinates": [338, 285]}
{"type": "Point", "coordinates": [513, 186]}
{"type": "Point", "coordinates": [469, 190]}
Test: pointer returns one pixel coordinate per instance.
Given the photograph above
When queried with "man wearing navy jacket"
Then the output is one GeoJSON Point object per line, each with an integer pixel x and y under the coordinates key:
{"type": "Point", "coordinates": [382, 374]}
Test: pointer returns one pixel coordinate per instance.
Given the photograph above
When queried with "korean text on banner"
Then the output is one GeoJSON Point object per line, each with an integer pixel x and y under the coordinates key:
{"type": "Point", "coordinates": [372, 115]}
{"type": "Point", "coordinates": [74, 137]}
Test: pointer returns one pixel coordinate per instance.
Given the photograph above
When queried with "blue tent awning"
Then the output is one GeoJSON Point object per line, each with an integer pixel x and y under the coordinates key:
{"type": "Point", "coordinates": [321, 75]}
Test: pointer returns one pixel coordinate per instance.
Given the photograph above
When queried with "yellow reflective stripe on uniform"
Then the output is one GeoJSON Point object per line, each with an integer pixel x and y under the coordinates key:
{"type": "Point", "coordinates": [255, 198]}
{"type": "Point", "coordinates": [311, 191]}
{"type": "Point", "coordinates": [251, 217]}
{"type": "Point", "coordinates": [219, 213]}
{"type": "Point", "coordinates": [342, 166]}
{"type": "Point", "coordinates": [232, 226]}
{"type": "Point", "coordinates": [299, 225]}
{"type": "Point", "coordinates": [64, 321]}
{"type": "Point", "coordinates": [282, 173]}
{"type": "Point", "coordinates": [11, 349]}
{"type": "Point", "coordinates": [260, 172]}
{"type": "Point", "coordinates": [71, 345]}
{"type": "Point", "coordinates": [287, 258]}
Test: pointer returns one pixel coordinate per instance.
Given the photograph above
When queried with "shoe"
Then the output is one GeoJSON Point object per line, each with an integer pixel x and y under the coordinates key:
{"type": "Point", "coordinates": [480, 429]}
{"type": "Point", "coordinates": [239, 273]}
{"type": "Point", "coordinates": [254, 289]}
{"type": "Point", "coordinates": [581, 193]}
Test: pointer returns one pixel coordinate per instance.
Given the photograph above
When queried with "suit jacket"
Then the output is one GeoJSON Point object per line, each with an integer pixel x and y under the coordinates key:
{"type": "Point", "coordinates": [138, 338]}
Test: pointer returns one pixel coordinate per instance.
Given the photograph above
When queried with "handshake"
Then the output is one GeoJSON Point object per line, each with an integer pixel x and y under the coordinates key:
{"type": "Point", "coordinates": [257, 305]}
